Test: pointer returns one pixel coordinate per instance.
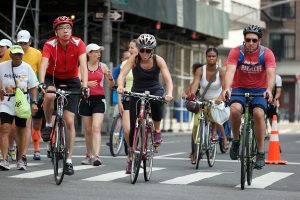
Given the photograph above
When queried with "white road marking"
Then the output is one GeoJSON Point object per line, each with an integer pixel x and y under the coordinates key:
{"type": "Point", "coordinates": [28, 164]}
{"type": "Point", "coordinates": [183, 180]}
{"type": "Point", "coordinates": [47, 172]}
{"type": "Point", "coordinates": [115, 175]}
{"type": "Point", "coordinates": [266, 180]}
{"type": "Point", "coordinates": [172, 154]}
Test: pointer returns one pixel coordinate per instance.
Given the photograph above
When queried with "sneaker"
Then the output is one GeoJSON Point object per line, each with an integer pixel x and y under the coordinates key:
{"type": "Point", "coordinates": [21, 165]}
{"type": "Point", "coordinates": [45, 133]}
{"type": "Point", "coordinates": [69, 169]}
{"type": "Point", "coordinates": [12, 154]}
{"type": "Point", "coordinates": [24, 159]}
{"type": "Point", "coordinates": [4, 164]}
{"type": "Point", "coordinates": [260, 160]}
{"type": "Point", "coordinates": [86, 161]}
{"type": "Point", "coordinates": [37, 155]}
{"type": "Point", "coordinates": [234, 150]}
{"type": "Point", "coordinates": [96, 161]}
{"type": "Point", "coordinates": [157, 138]}
{"type": "Point", "coordinates": [128, 168]}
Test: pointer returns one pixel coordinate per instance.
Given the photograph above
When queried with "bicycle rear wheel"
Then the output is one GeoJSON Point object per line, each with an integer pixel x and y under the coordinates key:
{"type": "Point", "coordinates": [199, 141]}
{"type": "Point", "coordinates": [149, 152]}
{"type": "Point", "coordinates": [59, 154]}
{"type": "Point", "coordinates": [116, 136]}
{"type": "Point", "coordinates": [250, 161]}
{"type": "Point", "coordinates": [211, 147]}
{"type": "Point", "coordinates": [137, 152]}
{"type": "Point", "coordinates": [243, 156]}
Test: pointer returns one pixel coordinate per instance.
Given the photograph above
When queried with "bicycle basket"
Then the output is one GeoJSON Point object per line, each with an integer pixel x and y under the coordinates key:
{"type": "Point", "coordinates": [192, 106]}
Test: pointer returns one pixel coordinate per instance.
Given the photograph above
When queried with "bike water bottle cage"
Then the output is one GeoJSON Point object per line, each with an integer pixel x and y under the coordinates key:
{"type": "Point", "coordinates": [261, 56]}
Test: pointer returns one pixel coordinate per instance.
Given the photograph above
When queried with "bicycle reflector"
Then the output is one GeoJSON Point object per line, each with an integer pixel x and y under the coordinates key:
{"type": "Point", "coordinates": [192, 106]}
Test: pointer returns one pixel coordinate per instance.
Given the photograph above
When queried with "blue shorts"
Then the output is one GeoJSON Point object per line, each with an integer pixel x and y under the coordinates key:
{"type": "Point", "coordinates": [255, 101]}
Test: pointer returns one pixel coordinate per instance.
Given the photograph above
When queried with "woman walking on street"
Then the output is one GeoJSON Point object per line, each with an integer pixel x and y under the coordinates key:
{"type": "Point", "coordinates": [93, 108]}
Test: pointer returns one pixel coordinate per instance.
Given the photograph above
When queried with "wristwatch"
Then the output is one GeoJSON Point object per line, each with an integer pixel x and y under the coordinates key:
{"type": "Point", "coordinates": [34, 101]}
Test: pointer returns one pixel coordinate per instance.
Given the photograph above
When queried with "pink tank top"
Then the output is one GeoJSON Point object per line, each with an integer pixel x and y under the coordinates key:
{"type": "Point", "coordinates": [98, 76]}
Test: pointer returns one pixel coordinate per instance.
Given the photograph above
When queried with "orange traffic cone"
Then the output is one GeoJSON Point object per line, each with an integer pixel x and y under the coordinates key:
{"type": "Point", "coordinates": [274, 146]}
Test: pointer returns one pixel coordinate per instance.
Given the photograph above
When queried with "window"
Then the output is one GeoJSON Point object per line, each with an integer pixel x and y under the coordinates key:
{"type": "Point", "coordinates": [283, 46]}
{"type": "Point", "coordinates": [283, 11]}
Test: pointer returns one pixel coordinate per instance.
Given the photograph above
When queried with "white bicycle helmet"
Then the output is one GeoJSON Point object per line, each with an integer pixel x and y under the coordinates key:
{"type": "Point", "coordinates": [146, 41]}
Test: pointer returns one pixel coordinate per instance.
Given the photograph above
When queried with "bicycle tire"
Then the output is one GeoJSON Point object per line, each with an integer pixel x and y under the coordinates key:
{"type": "Point", "coordinates": [199, 142]}
{"type": "Point", "coordinates": [251, 163]}
{"type": "Point", "coordinates": [149, 152]}
{"type": "Point", "coordinates": [211, 147]}
{"type": "Point", "coordinates": [137, 152]}
{"type": "Point", "coordinates": [116, 136]}
{"type": "Point", "coordinates": [243, 157]}
{"type": "Point", "coordinates": [59, 150]}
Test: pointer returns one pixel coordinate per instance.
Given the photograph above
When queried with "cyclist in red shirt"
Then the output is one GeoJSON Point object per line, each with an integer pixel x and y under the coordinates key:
{"type": "Point", "coordinates": [59, 66]}
{"type": "Point", "coordinates": [250, 75]}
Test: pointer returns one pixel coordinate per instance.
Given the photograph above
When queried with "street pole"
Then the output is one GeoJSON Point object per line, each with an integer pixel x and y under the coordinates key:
{"type": "Point", "coordinates": [107, 40]}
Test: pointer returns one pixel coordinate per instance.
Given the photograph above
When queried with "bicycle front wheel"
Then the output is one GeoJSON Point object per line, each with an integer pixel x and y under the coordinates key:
{"type": "Point", "coordinates": [243, 156]}
{"type": "Point", "coordinates": [137, 152]}
{"type": "Point", "coordinates": [149, 152]}
{"type": "Point", "coordinates": [199, 142]}
{"type": "Point", "coordinates": [59, 150]}
{"type": "Point", "coordinates": [116, 136]}
{"type": "Point", "coordinates": [250, 161]}
{"type": "Point", "coordinates": [211, 147]}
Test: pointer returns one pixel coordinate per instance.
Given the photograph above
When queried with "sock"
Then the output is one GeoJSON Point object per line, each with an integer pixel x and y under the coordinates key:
{"type": "Point", "coordinates": [69, 161]}
{"type": "Point", "coordinates": [48, 124]}
{"type": "Point", "coordinates": [36, 135]}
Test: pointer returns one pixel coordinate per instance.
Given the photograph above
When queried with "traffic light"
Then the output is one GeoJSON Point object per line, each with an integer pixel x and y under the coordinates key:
{"type": "Point", "coordinates": [194, 35]}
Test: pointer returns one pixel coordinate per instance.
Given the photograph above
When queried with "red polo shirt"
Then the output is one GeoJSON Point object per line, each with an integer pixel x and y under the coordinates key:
{"type": "Point", "coordinates": [63, 63]}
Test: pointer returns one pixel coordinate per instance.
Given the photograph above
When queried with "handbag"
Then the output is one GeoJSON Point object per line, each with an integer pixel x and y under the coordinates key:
{"type": "Point", "coordinates": [22, 107]}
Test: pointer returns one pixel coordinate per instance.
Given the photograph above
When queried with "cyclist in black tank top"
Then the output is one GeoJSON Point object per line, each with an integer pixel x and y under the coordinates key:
{"type": "Point", "coordinates": [146, 68]}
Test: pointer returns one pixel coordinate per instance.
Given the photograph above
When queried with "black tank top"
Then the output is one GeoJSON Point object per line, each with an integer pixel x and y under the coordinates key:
{"type": "Point", "coordinates": [146, 79]}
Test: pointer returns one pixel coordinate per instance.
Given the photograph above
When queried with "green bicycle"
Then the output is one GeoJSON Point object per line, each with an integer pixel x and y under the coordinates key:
{"type": "Point", "coordinates": [248, 149]}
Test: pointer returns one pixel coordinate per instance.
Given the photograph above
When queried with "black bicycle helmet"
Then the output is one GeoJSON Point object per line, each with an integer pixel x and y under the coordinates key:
{"type": "Point", "coordinates": [192, 106]}
{"type": "Point", "coordinates": [253, 29]}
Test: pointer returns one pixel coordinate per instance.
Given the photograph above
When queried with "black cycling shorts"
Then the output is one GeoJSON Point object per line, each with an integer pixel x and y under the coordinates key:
{"type": "Point", "coordinates": [72, 85]}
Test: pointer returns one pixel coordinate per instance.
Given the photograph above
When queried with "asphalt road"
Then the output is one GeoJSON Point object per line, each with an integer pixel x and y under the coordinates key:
{"type": "Point", "coordinates": [173, 177]}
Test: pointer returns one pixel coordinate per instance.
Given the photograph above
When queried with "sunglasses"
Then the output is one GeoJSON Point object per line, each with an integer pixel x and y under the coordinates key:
{"type": "Point", "coordinates": [254, 40]}
{"type": "Point", "coordinates": [145, 50]}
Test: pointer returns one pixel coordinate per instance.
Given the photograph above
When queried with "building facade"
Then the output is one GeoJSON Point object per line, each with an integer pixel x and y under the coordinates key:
{"type": "Point", "coordinates": [282, 36]}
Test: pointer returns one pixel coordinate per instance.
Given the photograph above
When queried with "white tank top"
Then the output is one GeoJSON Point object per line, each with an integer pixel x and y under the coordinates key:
{"type": "Point", "coordinates": [215, 88]}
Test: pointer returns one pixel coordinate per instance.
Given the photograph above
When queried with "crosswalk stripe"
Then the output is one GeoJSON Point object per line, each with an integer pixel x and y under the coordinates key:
{"type": "Point", "coordinates": [266, 180]}
{"type": "Point", "coordinates": [28, 164]}
{"type": "Point", "coordinates": [47, 172]}
{"type": "Point", "coordinates": [115, 175]}
{"type": "Point", "coordinates": [183, 180]}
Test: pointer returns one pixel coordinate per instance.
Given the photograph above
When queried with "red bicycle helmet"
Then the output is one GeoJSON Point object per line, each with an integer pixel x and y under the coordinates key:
{"type": "Point", "coordinates": [62, 20]}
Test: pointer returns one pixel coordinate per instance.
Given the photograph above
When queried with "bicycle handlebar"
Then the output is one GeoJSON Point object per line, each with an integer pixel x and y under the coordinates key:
{"type": "Point", "coordinates": [247, 94]}
{"type": "Point", "coordinates": [145, 95]}
{"type": "Point", "coordinates": [63, 92]}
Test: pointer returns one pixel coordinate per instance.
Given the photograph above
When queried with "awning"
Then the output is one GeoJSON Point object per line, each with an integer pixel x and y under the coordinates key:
{"type": "Point", "coordinates": [193, 15]}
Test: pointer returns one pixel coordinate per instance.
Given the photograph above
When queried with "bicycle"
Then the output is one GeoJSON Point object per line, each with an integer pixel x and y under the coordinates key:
{"type": "Point", "coordinates": [143, 140]}
{"type": "Point", "coordinates": [58, 138]}
{"type": "Point", "coordinates": [248, 151]}
{"type": "Point", "coordinates": [204, 139]}
{"type": "Point", "coordinates": [116, 137]}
